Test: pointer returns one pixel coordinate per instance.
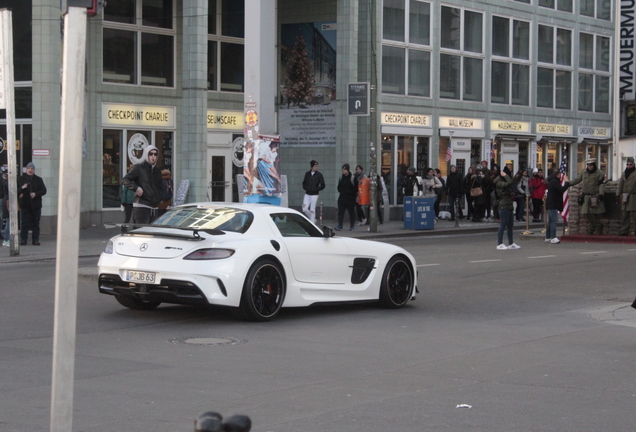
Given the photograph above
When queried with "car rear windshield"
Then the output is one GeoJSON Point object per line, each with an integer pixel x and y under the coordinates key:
{"type": "Point", "coordinates": [221, 218]}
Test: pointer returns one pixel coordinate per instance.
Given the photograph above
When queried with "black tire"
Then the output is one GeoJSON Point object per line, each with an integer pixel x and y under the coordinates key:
{"type": "Point", "coordinates": [135, 303]}
{"type": "Point", "coordinates": [263, 292]}
{"type": "Point", "coordinates": [398, 282]}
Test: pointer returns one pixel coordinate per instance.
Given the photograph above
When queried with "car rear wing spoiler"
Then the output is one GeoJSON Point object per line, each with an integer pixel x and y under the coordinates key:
{"type": "Point", "coordinates": [191, 233]}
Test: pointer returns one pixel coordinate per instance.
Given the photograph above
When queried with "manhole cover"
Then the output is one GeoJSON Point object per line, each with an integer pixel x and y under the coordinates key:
{"type": "Point", "coordinates": [198, 340]}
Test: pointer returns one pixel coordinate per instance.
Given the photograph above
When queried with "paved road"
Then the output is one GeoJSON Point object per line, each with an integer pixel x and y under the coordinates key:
{"type": "Point", "coordinates": [539, 339]}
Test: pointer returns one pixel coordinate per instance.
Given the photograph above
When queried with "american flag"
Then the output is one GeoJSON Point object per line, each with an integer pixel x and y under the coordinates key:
{"type": "Point", "coordinates": [449, 152]}
{"type": "Point", "coordinates": [566, 206]}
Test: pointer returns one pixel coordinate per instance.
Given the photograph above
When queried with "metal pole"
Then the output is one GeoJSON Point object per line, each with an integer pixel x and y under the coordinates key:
{"type": "Point", "coordinates": [6, 75]}
{"type": "Point", "coordinates": [374, 142]}
{"type": "Point", "coordinates": [527, 231]}
{"type": "Point", "coordinates": [73, 69]}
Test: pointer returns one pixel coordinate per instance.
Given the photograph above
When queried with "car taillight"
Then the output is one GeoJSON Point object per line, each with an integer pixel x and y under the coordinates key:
{"type": "Point", "coordinates": [210, 254]}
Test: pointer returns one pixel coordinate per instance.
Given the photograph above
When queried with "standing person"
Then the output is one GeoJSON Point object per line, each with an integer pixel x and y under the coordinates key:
{"type": "Point", "coordinates": [31, 189]}
{"type": "Point", "coordinates": [469, 200]}
{"type": "Point", "coordinates": [455, 186]}
{"type": "Point", "coordinates": [503, 186]}
{"type": "Point", "coordinates": [379, 200]}
{"type": "Point", "coordinates": [145, 180]}
{"type": "Point", "coordinates": [477, 181]}
{"type": "Point", "coordinates": [359, 178]}
{"type": "Point", "coordinates": [538, 188]}
{"type": "Point", "coordinates": [411, 185]}
{"type": "Point", "coordinates": [439, 192]}
{"type": "Point", "coordinates": [167, 191]}
{"type": "Point", "coordinates": [430, 184]}
{"type": "Point", "coordinates": [592, 195]}
{"type": "Point", "coordinates": [627, 199]}
{"type": "Point", "coordinates": [554, 203]}
{"type": "Point", "coordinates": [520, 183]}
{"type": "Point", "coordinates": [4, 189]}
{"type": "Point", "coordinates": [347, 200]}
{"type": "Point", "coordinates": [313, 183]}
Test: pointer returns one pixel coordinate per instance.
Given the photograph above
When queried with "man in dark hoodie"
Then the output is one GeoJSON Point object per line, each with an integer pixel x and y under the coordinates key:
{"type": "Point", "coordinates": [627, 199]}
{"type": "Point", "coordinates": [313, 183]}
{"type": "Point", "coordinates": [145, 180]}
{"type": "Point", "coordinates": [554, 203]}
{"type": "Point", "coordinates": [348, 189]}
{"type": "Point", "coordinates": [455, 188]}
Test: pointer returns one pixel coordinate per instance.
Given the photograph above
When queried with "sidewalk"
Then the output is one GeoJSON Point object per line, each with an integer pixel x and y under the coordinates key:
{"type": "Point", "coordinates": [94, 239]}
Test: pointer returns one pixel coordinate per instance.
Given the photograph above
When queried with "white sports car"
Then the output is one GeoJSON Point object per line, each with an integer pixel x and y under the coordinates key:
{"type": "Point", "coordinates": [254, 258]}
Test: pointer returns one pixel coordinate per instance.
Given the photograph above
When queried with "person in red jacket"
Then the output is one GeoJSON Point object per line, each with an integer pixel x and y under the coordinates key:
{"type": "Point", "coordinates": [538, 187]}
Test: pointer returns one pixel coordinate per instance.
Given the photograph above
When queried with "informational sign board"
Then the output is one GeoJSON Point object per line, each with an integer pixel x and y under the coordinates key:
{"type": "Point", "coordinates": [358, 99]}
{"type": "Point", "coordinates": [182, 193]}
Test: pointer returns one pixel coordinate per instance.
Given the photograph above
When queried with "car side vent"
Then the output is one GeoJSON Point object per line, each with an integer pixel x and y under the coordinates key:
{"type": "Point", "coordinates": [275, 244]}
{"type": "Point", "coordinates": [361, 269]}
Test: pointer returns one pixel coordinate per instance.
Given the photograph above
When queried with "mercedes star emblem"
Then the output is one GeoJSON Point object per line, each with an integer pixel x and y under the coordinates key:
{"type": "Point", "coordinates": [144, 247]}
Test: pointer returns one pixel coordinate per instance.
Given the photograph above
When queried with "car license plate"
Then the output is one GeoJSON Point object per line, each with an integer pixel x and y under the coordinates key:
{"type": "Point", "coordinates": [143, 277]}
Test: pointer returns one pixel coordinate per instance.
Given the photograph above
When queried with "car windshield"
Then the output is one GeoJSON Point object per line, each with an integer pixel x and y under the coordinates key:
{"type": "Point", "coordinates": [221, 218]}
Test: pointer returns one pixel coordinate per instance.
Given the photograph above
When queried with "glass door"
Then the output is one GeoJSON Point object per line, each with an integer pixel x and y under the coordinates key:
{"type": "Point", "coordinates": [219, 175]}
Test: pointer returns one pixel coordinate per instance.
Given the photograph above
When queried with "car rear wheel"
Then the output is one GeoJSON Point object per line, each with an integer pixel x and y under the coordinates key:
{"type": "Point", "coordinates": [263, 292]}
{"type": "Point", "coordinates": [135, 303]}
{"type": "Point", "coordinates": [397, 283]}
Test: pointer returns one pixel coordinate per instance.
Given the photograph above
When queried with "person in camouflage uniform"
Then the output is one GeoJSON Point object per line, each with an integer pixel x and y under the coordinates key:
{"type": "Point", "coordinates": [593, 194]}
{"type": "Point", "coordinates": [627, 187]}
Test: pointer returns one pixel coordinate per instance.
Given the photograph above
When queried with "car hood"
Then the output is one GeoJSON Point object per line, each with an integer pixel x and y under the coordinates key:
{"type": "Point", "coordinates": [156, 244]}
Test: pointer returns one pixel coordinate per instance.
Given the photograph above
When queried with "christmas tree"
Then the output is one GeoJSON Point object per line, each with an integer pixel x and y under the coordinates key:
{"type": "Point", "coordinates": [300, 85]}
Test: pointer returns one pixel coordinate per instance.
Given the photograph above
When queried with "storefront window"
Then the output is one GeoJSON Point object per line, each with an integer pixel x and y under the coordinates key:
{"type": "Point", "coordinates": [388, 173]}
{"type": "Point", "coordinates": [111, 168]}
{"type": "Point", "coordinates": [552, 158]}
{"type": "Point", "coordinates": [540, 156]}
{"type": "Point", "coordinates": [422, 155]}
{"type": "Point", "coordinates": [524, 160]}
{"type": "Point", "coordinates": [475, 153]}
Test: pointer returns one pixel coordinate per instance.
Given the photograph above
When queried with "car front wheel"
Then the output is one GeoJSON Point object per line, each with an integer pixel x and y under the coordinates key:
{"type": "Point", "coordinates": [263, 292]}
{"type": "Point", "coordinates": [397, 283]}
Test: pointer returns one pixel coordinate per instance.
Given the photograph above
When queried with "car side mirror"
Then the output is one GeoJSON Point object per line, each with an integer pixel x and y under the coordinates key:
{"type": "Point", "coordinates": [327, 232]}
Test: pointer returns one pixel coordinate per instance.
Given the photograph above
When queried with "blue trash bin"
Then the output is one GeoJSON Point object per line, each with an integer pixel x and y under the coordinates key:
{"type": "Point", "coordinates": [423, 213]}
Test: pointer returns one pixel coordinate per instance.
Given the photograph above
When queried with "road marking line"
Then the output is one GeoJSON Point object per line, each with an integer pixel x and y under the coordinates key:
{"type": "Point", "coordinates": [631, 250]}
{"type": "Point", "coordinates": [594, 252]}
{"type": "Point", "coordinates": [427, 265]}
{"type": "Point", "coordinates": [483, 261]}
{"type": "Point", "coordinates": [542, 256]}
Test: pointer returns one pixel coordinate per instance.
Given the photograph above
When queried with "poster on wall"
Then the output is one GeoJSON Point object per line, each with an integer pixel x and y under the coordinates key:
{"type": "Point", "coordinates": [261, 169]}
{"type": "Point", "coordinates": [307, 109]}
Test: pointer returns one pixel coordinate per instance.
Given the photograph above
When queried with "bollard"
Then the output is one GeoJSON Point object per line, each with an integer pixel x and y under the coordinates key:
{"type": "Point", "coordinates": [456, 212]}
{"type": "Point", "coordinates": [211, 421]}
{"type": "Point", "coordinates": [545, 218]}
{"type": "Point", "coordinates": [527, 231]}
{"type": "Point", "coordinates": [320, 224]}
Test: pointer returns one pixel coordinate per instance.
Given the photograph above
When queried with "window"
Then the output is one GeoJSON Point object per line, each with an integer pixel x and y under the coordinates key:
{"type": "Point", "coordinates": [139, 42]}
{"type": "Point", "coordinates": [461, 56]}
{"type": "Point", "coordinates": [554, 75]}
{"type": "Point", "coordinates": [226, 45]}
{"type": "Point", "coordinates": [562, 5]}
{"type": "Point", "coordinates": [602, 9]}
{"type": "Point", "coordinates": [594, 77]}
{"type": "Point", "coordinates": [406, 50]}
{"type": "Point", "coordinates": [294, 225]}
{"type": "Point", "coordinates": [510, 67]}
{"type": "Point", "coordinates": [119, 156]}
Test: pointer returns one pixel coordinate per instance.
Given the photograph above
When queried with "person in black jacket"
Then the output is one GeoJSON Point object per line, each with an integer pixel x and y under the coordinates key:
{"type": "Point", "coordinates": [31, 189]}
{"type": "Point", "coordinates": [347, 200]}
{"type": "Point", "coordinates": [145, 180]}
{"type": "Point", "coordinates": [554, 203]}
{"type": "Point", "coordinates": [313, 183]}
{"type": "Point", "coordinates": [455, 189]}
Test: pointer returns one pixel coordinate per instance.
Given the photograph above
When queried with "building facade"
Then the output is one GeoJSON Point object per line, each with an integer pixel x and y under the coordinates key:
{"type": "Point", "coordinates": [521, 83]}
